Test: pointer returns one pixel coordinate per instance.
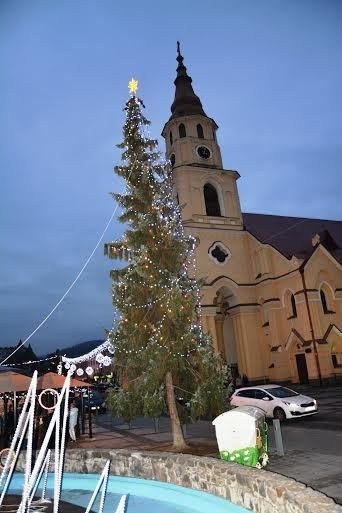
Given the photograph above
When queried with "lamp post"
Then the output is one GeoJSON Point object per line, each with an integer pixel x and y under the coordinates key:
{"type": "Point", "coordinates": [89, 417]}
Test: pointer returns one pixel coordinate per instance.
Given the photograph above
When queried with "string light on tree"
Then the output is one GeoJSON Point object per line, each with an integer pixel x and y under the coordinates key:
{"type": "Point", "coordinates": [158, 341]}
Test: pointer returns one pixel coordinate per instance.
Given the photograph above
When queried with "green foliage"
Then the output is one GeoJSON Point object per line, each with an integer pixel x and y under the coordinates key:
{"type": "Point", "coordinates": [124, 403]}
{"type": "Point", "coordinates": [209, 398]}
{"type": "Point", "coordinates": [159, 329]}
{"type": "Point", "coordinates": [154, 403]}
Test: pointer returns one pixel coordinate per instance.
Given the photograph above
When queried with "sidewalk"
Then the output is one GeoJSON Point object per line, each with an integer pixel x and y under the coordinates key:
{"type": "Point", "coordinates": [304, 460]}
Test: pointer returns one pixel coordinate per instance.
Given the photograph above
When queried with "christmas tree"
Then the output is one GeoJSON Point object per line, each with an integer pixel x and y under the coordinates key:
{"type": "Point", "coordinates": [161, 352]}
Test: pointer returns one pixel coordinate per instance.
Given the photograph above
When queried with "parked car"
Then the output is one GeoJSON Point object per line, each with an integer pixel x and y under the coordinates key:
{"type": "Point", "coordinates": [276, 401]}
{"type": "Point", "coordinates": [96, 401]}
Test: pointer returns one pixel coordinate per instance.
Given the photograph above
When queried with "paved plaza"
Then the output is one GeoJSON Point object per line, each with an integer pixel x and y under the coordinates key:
{"type": "Point", "coordinates": [313, 445]}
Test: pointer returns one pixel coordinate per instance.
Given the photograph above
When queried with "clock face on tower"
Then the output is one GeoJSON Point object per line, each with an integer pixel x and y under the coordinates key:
{"type": "Point", "coordinates": [203, 152]}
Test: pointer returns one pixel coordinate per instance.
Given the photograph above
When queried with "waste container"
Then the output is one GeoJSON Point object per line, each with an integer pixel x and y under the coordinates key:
{"type": "Point", "coordinates": [241, 436]}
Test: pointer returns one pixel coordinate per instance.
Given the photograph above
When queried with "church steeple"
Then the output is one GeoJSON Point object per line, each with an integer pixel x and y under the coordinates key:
{"type": "Point", "coordinates": [186, 103]}
{"type": "Point", "coordinates": [207, 192]}
{"type": "Point", "coordinates": [190, 135]}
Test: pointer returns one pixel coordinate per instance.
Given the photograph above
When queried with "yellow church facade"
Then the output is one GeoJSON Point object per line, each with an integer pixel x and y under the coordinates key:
{"type": "Point", "coordinates": [272, 298]}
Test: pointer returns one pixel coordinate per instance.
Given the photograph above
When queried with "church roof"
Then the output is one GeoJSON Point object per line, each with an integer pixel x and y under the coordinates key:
{"type": "Point", "coordinates": [296, 236]}
{"type": "Point", "coordinates": [186, 103]}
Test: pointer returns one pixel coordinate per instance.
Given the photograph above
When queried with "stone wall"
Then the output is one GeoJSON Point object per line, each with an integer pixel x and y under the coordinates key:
{"type": "Point", "coordinates": [258, 490]}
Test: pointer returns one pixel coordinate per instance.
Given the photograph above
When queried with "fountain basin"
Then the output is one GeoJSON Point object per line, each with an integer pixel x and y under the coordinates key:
{"type": "Point", "coordinates": [144, 495]}
{"type": "Point", "coordinates": [255, 490]}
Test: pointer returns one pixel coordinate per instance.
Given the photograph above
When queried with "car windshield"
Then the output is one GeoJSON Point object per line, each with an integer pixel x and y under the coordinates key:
{"type": "Point", "coordinates": [281, 392]}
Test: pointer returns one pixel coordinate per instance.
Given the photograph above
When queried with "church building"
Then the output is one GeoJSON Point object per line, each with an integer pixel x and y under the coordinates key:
{"type": "Point", "coordinates": [272, 298]}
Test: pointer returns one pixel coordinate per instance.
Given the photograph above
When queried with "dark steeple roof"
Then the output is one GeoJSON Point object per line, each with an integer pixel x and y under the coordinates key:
{"type": "Point", "coordinates": [186, 103]}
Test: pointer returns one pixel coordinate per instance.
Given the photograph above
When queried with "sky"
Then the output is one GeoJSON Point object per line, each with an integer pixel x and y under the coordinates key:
{"type": "Point", "coordinates": [268, 71]}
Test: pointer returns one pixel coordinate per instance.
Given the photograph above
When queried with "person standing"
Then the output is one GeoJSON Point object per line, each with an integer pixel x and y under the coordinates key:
{"type": "Point", "coordinates": [238, 381]}
{"type": "Point", "coordinates": [73, 415]}
{"type": "Point", "coordinates": [79, 405]}
{"type": "Point", "coordinates": [9, 423]}
{"type": "Point", "coordinates": [46, 419]}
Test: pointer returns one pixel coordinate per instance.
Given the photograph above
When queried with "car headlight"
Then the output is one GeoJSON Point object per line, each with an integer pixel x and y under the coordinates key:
{"type": "Point", "coordinates": [292, 405]}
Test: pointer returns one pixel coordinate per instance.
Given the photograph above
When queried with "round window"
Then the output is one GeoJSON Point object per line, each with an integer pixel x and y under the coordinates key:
{"type": "Point", "coordinates": [219, 253]}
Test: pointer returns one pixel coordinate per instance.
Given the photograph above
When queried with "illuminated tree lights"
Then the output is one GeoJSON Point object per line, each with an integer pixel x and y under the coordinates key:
{"type": "Point", "coordinates": [159, 343]}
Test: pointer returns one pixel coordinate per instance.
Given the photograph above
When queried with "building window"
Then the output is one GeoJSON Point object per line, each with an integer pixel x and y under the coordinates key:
{"type": "Point", "coordinates": [336, 353]}
{"type": "Point", "coordinates": [171, 138]}
{"type": "Point", "coordinates": [212, 205]}
{"type": "Point", "coordinates": [200, 133]}
{"type": "Point", "coordinates": [324, 302]}
{"type": "Point", "coordinates": [336, 359]}
{"type": "Point", "coordinates": [214, 135]}
{"type": "Point", "coordinates": [219, 253]}
{"type": "Point", "coordinates": [290, 305]}
{"type": "Point", "coordinates": [182, 131]}
{"type": "Point", "coordinates": [293, 306]}
{"type": "Point", "coordinates": [173, 159]}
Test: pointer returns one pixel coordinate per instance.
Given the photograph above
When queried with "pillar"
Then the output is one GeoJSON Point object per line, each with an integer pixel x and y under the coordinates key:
{"type": "Point", "coordinates": [209, 325]}
{"type": "Point", "coordinates": [219, 320]}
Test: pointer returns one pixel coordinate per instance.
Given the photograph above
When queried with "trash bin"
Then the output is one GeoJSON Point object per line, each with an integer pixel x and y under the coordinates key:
{"type": "Point", "coordinates": [241, 436]}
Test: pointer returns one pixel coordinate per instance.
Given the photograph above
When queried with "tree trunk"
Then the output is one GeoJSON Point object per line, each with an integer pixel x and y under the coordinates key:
{"type": "Point", "coordinates": [178, 439]}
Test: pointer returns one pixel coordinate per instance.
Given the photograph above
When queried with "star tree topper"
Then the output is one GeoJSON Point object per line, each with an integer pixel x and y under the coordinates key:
{"type": "Point", "coordinates": [133, 86]}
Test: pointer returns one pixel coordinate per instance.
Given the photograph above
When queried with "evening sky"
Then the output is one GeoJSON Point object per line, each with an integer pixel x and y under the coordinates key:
{"type": "Point", "coordinates": [269, 73]}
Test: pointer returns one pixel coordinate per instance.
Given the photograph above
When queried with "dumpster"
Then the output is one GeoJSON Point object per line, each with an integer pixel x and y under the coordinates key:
{"type": "Point", "coordinates": [241, 436]}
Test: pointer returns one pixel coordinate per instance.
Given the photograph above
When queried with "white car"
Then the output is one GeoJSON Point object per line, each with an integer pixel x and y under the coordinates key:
{"type": "Point", "coordinates": [276, 401]}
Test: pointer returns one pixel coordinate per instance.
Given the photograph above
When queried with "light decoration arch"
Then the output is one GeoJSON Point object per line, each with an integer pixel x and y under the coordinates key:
{"type": "Point", "coordinates": [73, 364]}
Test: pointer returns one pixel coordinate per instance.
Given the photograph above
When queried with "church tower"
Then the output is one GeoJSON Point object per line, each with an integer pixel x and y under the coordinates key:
{"type": "Point", "coordinates": [209, 199]}
{"type": "Point", "coordinates": [207, 192]}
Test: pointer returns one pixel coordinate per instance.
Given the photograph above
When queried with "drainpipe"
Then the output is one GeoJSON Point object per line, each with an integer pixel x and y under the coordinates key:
{"type": "Point", "coordinates": [301, 270]}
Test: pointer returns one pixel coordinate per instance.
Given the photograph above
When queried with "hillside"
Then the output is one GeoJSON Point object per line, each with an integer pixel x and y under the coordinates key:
{"type": "Point", "coordinates": [79, 349]}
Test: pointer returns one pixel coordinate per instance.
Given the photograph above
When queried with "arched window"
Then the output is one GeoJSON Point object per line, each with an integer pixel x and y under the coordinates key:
{"type": "Point", "coordinates": [171, 138]}
{"type": "Point", "coordinates": [293, 306]}
{"type": "Point", "coordinates": [214, 135]}
{"type": "Point", "coordinates": [290, 305]}
{"type": "Point", "coordinates": [212, 204]}
{"type": "Point", "coordinates": [182, 131]}
{"type": "Point", "coordinates": [200, 133]}
{"type": "Point", "coordinates": [336, 353]}
{"type": "Point", "coordinates": [324, 302]}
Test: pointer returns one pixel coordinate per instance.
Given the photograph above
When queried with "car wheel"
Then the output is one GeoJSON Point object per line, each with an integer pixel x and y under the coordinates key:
{"type": "Point", "coordinates": [279, 414]}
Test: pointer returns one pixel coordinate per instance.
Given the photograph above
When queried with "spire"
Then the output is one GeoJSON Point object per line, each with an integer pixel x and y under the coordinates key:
{"type": "Point", "coordinates": [186, 103]}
